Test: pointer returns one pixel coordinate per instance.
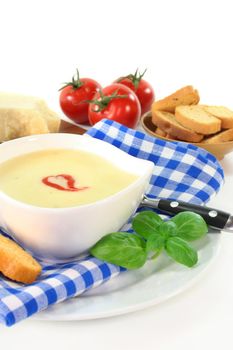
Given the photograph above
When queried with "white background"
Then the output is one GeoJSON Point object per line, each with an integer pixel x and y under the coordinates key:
{"type": "Point", "coordinates": [179, 42]}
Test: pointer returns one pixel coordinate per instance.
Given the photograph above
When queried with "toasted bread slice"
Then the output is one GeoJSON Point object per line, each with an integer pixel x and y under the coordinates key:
{"type": "Point", "coordinates": [223, 136]}
{"type": "Point", "coordinates": [16, 263]}
{"type": "Point", "coordinates": [222, 113]}
{"type": "Point", "coordinates": [160, 132]}
{"type": "Point", "coordinates": [185, 96]}
{"type": "Point", "coordinates": [170, 137]}
{"type": "Point", "coordinates": [167, 122]}
{"type": "Point", "coordinates": [197, 119]}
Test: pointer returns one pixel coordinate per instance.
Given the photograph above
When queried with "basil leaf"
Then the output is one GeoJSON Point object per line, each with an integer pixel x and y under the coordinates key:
{"type": "Point", "coordinates": [146, 223]}
{"type": "Point", "coordinates": [155, 243]}
{"type": "Point", "coordinates": [190, 226]}
{"type": "Point", "coordinates": [180, 251]}
{"type": "Point", "coordinates": [167, 229]}
{"type": "Point", "coordinates": [122, 249]}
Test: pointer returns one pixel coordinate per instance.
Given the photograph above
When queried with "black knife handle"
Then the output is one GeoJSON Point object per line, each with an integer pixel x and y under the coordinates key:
{"type": "Point", "coordinates": [213, 217]}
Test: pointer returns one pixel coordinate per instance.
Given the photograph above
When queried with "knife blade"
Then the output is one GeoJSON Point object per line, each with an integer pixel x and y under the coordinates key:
{"type": "Point", "coordinates": [215, 218]}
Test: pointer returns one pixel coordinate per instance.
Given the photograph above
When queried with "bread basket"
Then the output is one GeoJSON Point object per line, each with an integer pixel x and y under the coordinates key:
{"type": "Point", "coordinates": [219, 150]}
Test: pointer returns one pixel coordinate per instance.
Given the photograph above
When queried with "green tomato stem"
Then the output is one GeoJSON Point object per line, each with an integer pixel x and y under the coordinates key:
{"type": "Point", "coordinates": [75, 83]}
{"type": "Point", "coordinates": [136, 77]}
{"type": "Point", "coordinates": [103, 101]}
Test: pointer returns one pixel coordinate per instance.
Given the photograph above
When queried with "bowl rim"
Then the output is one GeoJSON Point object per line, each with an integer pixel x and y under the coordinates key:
{"type": "Point", "coordinates": [198, 144]}
{"type": "Point", "coordinates": [148, 172]}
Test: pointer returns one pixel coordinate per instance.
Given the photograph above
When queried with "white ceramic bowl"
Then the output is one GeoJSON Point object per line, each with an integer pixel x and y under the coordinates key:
{"type": "Point", "coordinates": [67, 232]}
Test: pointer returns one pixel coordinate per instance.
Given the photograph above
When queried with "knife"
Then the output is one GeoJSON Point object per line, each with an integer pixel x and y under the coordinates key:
{"type": "Point", "coordinates": [215, 218]}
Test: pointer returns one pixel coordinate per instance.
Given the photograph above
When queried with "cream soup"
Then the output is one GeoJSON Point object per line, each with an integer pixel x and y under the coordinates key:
{"type": "Point", "coordinates": [59, 178]}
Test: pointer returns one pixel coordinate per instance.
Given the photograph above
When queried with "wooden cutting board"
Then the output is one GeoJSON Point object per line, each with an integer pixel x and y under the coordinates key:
{"type": "Point", "coordinates": [66, 127]}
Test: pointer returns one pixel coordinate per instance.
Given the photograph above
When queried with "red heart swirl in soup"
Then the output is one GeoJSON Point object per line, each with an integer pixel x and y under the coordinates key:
{"type": "Point", "coordinates": [62, 182]}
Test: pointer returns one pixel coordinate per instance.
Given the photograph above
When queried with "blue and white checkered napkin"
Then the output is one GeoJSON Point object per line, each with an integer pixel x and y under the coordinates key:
{"type": "Point", "coordinates": [181, 171]}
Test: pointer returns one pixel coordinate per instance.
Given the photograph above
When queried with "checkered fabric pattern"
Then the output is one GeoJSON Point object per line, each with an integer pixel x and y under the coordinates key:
{"type": "Point", "coordinates": [182, 171]}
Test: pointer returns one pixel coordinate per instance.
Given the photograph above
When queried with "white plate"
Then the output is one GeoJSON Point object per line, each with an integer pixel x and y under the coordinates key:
{"type": "Point", "coordinates": [135, 290]}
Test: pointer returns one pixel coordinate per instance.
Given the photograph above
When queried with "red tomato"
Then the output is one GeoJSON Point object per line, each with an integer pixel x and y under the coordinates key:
{"type": "Point", "coordinates": [74, 97]}
{"type": "Point", "coordinates": [116, 102]}
{"type": "Point", "coordinates": [141, 88]}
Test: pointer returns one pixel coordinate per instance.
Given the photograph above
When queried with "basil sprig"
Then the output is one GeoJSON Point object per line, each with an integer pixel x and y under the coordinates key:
{"type": "Point", "coordinates": [153, 235]}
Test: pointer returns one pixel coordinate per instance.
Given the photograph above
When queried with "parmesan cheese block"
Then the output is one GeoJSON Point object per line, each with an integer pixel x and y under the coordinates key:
{"type": "Point", "coordinates": [25, 115]}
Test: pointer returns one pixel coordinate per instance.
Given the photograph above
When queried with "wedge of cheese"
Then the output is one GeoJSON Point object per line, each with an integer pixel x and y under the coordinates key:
{"type": "Point", "coordinates": [25, 115]}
